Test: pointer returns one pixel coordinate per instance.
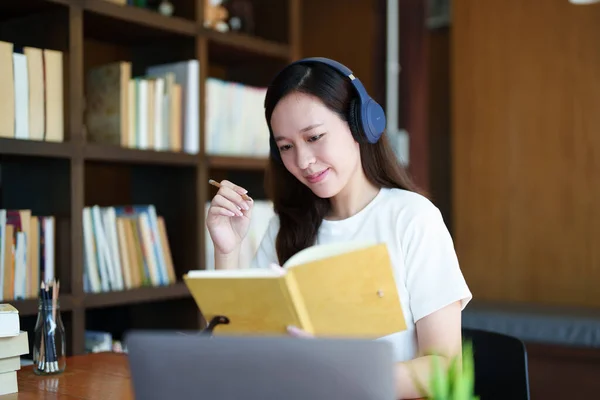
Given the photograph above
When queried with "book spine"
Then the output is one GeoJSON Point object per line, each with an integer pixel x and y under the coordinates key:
{"type": "Point", "coordinates": [298, 302]}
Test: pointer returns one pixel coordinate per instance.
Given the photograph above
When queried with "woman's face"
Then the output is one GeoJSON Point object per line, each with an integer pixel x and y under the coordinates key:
{"type": "Point", "coordinates": [315, 145]}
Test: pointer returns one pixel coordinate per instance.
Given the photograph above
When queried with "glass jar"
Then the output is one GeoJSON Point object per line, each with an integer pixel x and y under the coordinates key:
{"type": "Point", "coordinates": [49, 346]}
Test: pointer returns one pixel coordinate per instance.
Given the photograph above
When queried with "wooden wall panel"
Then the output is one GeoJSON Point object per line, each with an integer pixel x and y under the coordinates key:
{"type": "Point", "coordinates": [344, 30]}
{"type": "Point", "coordinates": [526, 149]}
{"type": "Point", "coordinates": [357, 36]}
{"type": "Point", "coordinates": [437, 152]}
{"type": "Point", "coordinates": [414, 87]}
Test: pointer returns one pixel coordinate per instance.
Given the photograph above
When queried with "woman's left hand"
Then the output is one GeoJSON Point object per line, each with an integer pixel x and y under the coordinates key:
{"type": "Point", "coordinates": [297, 332]}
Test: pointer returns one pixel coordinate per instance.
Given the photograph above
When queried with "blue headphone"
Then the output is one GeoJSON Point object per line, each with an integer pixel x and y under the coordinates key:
{"type": "Point", "coordinates": [366, 117]}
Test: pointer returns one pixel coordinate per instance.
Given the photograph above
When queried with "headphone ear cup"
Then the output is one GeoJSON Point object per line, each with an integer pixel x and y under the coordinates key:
{"type": "Point", "coordinates": [373, 121]}
{"type": "Point", "coordinates": [354, 120]}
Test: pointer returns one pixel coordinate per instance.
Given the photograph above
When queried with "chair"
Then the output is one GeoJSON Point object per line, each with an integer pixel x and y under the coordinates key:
{"type": "Point", "coordinates": [500, 365]}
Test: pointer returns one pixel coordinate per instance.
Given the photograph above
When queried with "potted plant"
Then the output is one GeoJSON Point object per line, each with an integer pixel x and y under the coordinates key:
{"type": "Point", "coordinates": [457, 382]}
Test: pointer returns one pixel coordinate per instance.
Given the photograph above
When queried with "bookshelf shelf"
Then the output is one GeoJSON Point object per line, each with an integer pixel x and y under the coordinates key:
{"type": "Point", "coordinates": [35, 148]}
{"type": "Point", "coordinates": [228, 48]}
{"type": "Point", "coordinates": [66, 180]}
{"type": "Point", "coordinates": [16, 9]}
{"type": "Point", "coordinates": [29, 307]}
{"type": "Point", "coordinates": [135, 296]}
{"type": "Point", "coordinates": [128, 22]}
{"type": "Point", "coordinates": [100, 152]}
{"type": "Point", "coordinates": [237, 163]}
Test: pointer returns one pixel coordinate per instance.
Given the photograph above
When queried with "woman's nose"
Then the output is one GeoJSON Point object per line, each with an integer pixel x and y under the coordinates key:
{"type": "Point", "coordinates": [304, 158]}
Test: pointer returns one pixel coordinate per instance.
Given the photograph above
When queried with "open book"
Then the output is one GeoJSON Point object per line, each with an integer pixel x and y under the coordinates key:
{"type": "Point", "coordinates": [327, 290]}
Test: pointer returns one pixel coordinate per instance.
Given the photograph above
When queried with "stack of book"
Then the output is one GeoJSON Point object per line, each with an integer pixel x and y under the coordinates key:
{"type": "Point", "coordinates": [13, 344]}
{"type": "Point", "coordinates": [235, 119]}
{"type": "Point", "coordinates": [27, 244]}
{"type": "Point", "coordinates": [125, 247]}
{"type": "Point", "coordinates": [31, 106]}
{"type": "Point", "coordinates": [154, 111]}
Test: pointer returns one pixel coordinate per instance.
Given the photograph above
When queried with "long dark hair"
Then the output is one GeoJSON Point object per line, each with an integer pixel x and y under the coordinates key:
{"type": "Point", "coordinates": [299, 210]}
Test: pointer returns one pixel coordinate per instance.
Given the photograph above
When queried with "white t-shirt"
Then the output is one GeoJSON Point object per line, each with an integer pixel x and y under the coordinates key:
{"type": "Point", "coordinates": [425, 264]}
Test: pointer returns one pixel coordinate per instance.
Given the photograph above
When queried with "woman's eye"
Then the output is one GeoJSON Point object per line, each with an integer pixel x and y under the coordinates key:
{"type": "Point", "coordinates": [284, 147]}
{"type": "Point", "coordinates": [315, 138]}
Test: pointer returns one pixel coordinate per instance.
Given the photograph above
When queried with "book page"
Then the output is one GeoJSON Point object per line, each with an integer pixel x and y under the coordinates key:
{"type": "Point", "coordinates": [351, 294]}
{"type": "Point", "coordinates": [258, 303]}
{"type": "Point", "coordinates": [235, 273]}
{"type": "Point", "coordinates": [319, 252]}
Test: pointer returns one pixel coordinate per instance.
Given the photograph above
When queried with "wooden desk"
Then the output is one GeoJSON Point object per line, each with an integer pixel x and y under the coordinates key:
{"type": "Point", "coordinates": [91, 377]}
{"type": "Point", "coordinates": [101, 376]}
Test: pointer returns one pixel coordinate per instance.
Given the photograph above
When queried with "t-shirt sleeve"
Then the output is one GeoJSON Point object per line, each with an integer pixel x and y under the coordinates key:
{"type": "Point", "coordinates": [266, 252]}
{"type": "Point", "coordinates": [433, 275]}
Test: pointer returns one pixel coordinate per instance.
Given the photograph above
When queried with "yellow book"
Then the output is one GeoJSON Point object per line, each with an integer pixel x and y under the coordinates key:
{"type": "Point", "coordinates": [328, 290]}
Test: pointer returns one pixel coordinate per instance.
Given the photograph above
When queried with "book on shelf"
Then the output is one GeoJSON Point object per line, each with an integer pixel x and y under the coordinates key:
{"type": "Point", "coordinates": [125, 247]}
{"type": "Point", "coordinates": [102, 341]}
{"type": "Point", "coordinates": [32, 104]}
{"type": "Point", "coordinates": [343, 289]}
{"type": "Point", "coordinates": [27, 253]}
{"type": "Point", "coordinates": [235, 123]}
{"type": "Point", "coordinates": [186, 75]}
{"type": "Point", "coordinates": [156, 111]}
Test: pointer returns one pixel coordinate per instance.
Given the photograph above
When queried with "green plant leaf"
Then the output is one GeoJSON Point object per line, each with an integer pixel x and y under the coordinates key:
{"type": "Point", "coordinates": [439, 385]}
{"type": "Point", "coordinates": [468, 367]}
{"type": "Point", "coordinates": [457, 382]}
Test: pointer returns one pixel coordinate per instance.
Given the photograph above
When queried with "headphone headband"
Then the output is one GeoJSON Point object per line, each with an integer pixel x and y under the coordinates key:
{"type": "Point", "coordinates": [344, 70]}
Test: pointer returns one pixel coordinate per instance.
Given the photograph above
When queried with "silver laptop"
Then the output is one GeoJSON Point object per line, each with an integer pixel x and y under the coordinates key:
{"type": "Point", "coordinates": [172, 365]}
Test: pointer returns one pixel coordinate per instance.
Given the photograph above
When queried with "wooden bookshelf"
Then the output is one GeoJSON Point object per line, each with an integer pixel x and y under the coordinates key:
{"type": "Point", "coordinates": [237, 46]}
{"type": "Point", "coordinates": [63, 178]}
{"type": "Point", "coordinates": [136, 296]}
{"type": "Point", "coordinates": [236, 163]}
{"type": "Point", "coordinates": [35, 148]}
{"type": "Point", "coordinates": [102, 152]}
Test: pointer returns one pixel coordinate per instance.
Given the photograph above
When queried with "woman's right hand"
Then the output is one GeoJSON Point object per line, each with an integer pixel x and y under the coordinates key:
{"type": "Point", "coordinates": [228, 218]}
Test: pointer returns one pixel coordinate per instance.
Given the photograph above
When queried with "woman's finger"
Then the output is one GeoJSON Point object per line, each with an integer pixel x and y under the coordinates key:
{"type": "Point", "coordinates": [297, 332]}
{"type": "Point", "coordinates": [234, 197]}
{"type": "Point", "coordinates": [276, 268]}
{"type": "Point", "coordinates": [216, 210]}
{"type": "Point", "coordinates": [227, 204]}
{"type": "Point", "coordinates": [233, 186]}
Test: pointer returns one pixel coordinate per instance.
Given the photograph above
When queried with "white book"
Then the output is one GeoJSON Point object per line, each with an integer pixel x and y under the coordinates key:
{"type": "Point", "coordinates": [159, 93]}
{"type": "Point", "coordinates": [91, 266]}
{"type": "Point", "coordinates": [142, 139]}
{"type": "Point", "coordinates": [2, 249]}
{"type": "Point", "coordinates": [8, 383]}
{"type": "Point", "coordinates": [9, 364]}
{"type": "Point", "coordinates": [21, 82]}
{"type": "Point", "coordinates": [20, 279]}
{"type": "Point", "coordinates": [9, 320]}
{"type": "Point", "coordinates": [110, 228]}
{"type": "Point", "coordinates": [187, 74]}
{"type": "Point", "coordinates": [103, 258]}
{"type": "Point", "coordinates": [49, 231]}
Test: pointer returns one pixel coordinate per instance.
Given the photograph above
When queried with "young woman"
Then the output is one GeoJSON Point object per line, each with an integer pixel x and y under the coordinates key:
{"type": "Point", "coordinates": [332, 178]}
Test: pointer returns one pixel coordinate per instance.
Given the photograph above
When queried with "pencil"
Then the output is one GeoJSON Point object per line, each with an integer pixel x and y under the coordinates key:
{"type": "Point", "coordinates": [217, 184]}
